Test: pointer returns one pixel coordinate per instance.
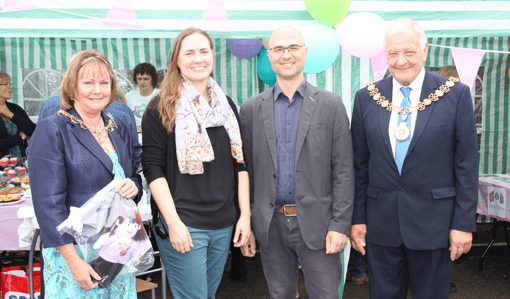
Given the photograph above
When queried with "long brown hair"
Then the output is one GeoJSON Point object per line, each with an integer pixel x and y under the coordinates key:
{"type": "Point", "coordinates": [170, 91]}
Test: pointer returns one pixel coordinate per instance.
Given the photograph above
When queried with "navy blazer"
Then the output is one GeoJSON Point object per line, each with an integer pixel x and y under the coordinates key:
{"type": "Point", "coordinates": [67, 166]}
{"type": "Point", "coordinates": [437, 190]}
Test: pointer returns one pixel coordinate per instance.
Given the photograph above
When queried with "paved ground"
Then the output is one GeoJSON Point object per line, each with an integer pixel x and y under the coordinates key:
{"type": "Point", "coordinates": [492, 283]}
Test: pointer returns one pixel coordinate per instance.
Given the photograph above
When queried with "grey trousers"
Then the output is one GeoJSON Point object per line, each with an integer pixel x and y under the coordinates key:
{"type": "Point", "coordinates": [322, 272]}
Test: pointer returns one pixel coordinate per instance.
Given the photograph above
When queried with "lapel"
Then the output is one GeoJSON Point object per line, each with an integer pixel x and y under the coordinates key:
{"type": "Point", "coordinates": [385, 89]}
{"type": "Point", "coordinates": [119, 145]}
{"type": "Point", "coordinates": [422, 117]}
{"type": "Point", "coordinates": [310, 99]}
{"type": "Point", "coordinates": [268, 116]}
{"type": "Point", "coordinates": [88, 141]}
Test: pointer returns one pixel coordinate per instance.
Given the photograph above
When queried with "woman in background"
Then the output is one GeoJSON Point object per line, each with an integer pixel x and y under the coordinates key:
{"type": "Point", "coordinates": [16, 124]}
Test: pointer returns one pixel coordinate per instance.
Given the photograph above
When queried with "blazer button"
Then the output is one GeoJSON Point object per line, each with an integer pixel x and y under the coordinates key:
{"type": "Point", "coordinates": [271, 205]}
{"type": "Point", "coordinates": [274, 175]}
{"type": "Point", "coordinates": [400, 188]}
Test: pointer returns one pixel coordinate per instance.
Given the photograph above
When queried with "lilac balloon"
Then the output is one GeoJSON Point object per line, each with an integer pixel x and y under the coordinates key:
{"type": "Point", "coordinates": [244, 48]}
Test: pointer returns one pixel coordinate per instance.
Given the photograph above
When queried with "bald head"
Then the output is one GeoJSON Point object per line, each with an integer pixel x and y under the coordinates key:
{"type": "Point", "coordinates": [287, 54]}
{"type": "Point", "coordinates": [286, 32]}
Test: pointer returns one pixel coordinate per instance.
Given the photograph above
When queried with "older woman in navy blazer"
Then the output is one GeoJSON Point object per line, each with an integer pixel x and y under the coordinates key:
{"type": "Point", "coordinates": [74, 154]}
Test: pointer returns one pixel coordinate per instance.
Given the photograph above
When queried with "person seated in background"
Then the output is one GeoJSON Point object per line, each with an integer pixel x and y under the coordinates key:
{"type": "Point", "coordinates": [117, 108]}
{"type": "Point", "coordinates": [16, 124]}
{"type": "Point", "coordinates": [146, 78]}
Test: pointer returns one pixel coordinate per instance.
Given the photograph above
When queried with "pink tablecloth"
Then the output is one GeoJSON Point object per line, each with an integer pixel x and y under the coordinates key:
{"type": "Point", "coordinates": [494, 195]}
{"type": "Point", "coordinates": [9, 224]}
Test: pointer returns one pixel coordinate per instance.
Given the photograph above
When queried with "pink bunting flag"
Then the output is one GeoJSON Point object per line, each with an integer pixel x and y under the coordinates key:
{"type": "Point", "coordinates": [19, 5]}
{"type": "Point", "coordinates": [379, 66]}
{"type": "Point", "coordinates": [122, 13]}
{"type": "Point", "coordinates": [215, 17]}
{"type": "Point", "coordinates": [467, 62]}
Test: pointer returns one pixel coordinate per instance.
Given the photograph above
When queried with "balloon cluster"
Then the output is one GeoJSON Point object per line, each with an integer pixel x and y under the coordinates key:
{"type": "Point", "coordinates": [359, 34]}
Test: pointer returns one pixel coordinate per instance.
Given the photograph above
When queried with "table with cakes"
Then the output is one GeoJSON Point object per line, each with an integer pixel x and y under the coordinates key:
{"type": "Point", "coordinates": [14, 195]}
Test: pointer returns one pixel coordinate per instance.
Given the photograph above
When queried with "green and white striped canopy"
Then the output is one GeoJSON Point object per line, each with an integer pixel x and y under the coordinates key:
{"type": "Point", "coordinates": [247, 18]}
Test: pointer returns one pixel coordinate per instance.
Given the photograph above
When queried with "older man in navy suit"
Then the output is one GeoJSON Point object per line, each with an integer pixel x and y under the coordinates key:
{"type": "Point", "coordinates": [416, 168]}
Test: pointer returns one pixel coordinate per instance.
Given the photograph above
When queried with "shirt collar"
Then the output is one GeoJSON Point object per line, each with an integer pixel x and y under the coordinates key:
{"type": "Point", "coordinates": [415, 85]}
{"type": "Point", "coordinates": [301, 89]}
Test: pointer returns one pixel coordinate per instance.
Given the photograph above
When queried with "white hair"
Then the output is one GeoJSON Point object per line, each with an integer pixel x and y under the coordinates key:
{"type": "Point", "coordinates": [402, 25]}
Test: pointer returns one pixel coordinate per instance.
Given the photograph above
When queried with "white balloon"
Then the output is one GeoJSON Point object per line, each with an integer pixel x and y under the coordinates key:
{"type": "Point", "coordinates": [361, 34]}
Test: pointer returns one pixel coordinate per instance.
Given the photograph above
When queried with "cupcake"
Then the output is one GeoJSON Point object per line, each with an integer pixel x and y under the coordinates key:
{"type": "Point", "coordinates": [21, 170]}
{"type": "Point", "coordinates": [13, 161]}
{"type": "Point", "coordinates": [4, 162]}
{"type": "Point", "coordinates": [11, 173]}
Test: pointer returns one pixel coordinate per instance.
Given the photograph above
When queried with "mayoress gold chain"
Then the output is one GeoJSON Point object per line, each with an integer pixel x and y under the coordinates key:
{"type": "Point", "coordinates": [98, 132]}
{"type": "Point", "coordinates": [381, 100]}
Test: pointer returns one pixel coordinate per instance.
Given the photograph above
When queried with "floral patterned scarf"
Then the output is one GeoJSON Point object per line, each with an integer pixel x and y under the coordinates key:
{"type": "Point", "coordinates": [194, 115]}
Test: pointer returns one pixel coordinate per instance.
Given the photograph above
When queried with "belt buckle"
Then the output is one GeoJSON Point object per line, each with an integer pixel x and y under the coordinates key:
{"type": "Point", "coordinates": [285, 210]}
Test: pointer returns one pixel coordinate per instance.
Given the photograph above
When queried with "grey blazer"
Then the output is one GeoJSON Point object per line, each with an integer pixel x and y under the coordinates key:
{"type": "Point", "coordinates": [324, 165]}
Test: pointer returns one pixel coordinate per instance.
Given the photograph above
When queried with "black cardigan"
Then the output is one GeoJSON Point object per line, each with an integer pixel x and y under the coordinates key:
{"type": "Point", "coordinates": [205, 201]}
{"type": "Point", "coordinates": [24, 124]}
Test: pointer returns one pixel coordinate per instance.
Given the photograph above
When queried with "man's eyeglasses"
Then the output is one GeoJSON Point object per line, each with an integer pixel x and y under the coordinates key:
{"type": "Point", "coordinates": [293, 49]}
{"type": "Point", "coordinates": [7, 84]}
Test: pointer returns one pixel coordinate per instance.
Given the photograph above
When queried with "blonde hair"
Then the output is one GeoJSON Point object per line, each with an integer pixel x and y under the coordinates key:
{"type": "Point", "coordinates": [78, 61]}
{"type": "Point", "coordinates": [170, 91]}
{"type": "Point", "coordinates": [119, 96]}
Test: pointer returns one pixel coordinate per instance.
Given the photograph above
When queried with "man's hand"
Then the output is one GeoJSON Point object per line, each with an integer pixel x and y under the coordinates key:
{"type": "Point", "coordinates": [335, 242]}
{"type": "Point", "coordinates": [249, 249]}
{"type": "Point", "coordinates": [460, 243]}
{"type": "Point", "coordinates": [358, 235]}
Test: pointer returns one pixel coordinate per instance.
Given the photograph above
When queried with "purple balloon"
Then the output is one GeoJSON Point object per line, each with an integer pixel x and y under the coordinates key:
{"type": "Point", "coordinates": [244, 48]}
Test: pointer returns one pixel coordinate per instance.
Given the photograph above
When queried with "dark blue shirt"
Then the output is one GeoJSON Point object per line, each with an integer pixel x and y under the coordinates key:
{"type": "Point", "coordinates": [286, 120]}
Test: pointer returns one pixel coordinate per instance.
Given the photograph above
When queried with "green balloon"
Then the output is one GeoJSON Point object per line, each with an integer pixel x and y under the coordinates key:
{"type": "Point", "coordinates": [328, 12]}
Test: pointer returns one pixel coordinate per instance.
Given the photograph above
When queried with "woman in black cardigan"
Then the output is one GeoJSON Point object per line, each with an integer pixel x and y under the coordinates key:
{"type": "Point", "coordinates": [16, 124]}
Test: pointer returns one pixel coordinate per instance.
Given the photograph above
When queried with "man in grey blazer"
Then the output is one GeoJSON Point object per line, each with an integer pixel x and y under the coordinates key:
{"type": "Point", "coordinates": [298, 151]}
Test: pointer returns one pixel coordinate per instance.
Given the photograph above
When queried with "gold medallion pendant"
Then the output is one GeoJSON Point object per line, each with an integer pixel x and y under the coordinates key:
{"type": "Point", "coordinates": [402, 132]}
{"type": "Point", "coordinates": [123, 253]}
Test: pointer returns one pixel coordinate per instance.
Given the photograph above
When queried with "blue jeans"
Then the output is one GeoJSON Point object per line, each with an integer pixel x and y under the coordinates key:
{"type": "Point", "coordinates": [356, 266]}
{"type": "Point", "coordinates": [196, 274]}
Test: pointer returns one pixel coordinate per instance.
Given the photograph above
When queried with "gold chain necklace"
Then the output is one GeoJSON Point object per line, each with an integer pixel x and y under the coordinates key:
{"type": "Point", "coordinates": [381, 100]}
{"type": "Point", "coordinates": [98, 132]}
{"type": "Point", "coordinates": [124, 251]}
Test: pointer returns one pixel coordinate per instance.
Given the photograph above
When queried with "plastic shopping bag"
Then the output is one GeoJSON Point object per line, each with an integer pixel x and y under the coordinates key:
{"type": "Point", "coordinates": [14, 281]}
{"type": "Point", "coordinates": [110, 234]}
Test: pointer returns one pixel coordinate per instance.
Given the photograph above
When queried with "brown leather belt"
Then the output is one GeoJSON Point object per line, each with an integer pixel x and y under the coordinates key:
{"type": "Point", "coordinates": [287, 210]}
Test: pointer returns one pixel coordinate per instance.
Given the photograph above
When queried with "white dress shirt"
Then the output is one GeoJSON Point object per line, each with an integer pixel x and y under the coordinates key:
{"type": "Point", "coordinates": [397, 99]}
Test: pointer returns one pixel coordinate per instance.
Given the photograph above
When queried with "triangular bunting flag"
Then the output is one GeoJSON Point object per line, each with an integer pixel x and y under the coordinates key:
{"type": "Point", "coordinates": [467, 62]}
{"type": "Point", "coordinates": [122, 13]}
{"type": "Point", "coordinates": [215, 17]}
{"type": "Point", "coordinates": [379, 66]}
{"type": "Point", "coordinates": [19, 5]}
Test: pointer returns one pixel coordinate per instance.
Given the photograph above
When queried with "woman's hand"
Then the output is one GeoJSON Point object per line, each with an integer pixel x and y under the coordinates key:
{"type": "Point", "coordinates": [83, 274]}
{"type": "Point", "coordinates": [243, 231]}
{"type": "Point", "coordinates": [180, 237]}
{"type": "Point", "coordinates": [127, 188]}
{"type": "Point", "coordinates": [23, 135]}
{"type": "Point", "coordinates": [5, 112]}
